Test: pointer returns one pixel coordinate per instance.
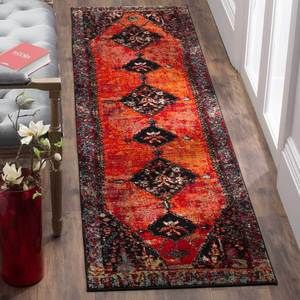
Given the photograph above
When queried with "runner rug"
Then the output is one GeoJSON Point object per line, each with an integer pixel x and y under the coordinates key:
{"type": "Point", "coordinates": [163, 200]}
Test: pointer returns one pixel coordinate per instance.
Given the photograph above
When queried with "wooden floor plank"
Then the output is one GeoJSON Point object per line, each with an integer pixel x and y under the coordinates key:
{"type": "Point", "coordinates": [65, 274]}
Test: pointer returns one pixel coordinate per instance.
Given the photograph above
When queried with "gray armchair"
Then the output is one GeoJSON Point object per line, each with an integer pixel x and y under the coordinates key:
{"type": "Point", "coordinates": [31, 21]}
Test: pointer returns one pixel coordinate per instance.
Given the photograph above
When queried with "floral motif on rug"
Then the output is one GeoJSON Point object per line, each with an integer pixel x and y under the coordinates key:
{"type": "Point", "coordinates": [163, 200]}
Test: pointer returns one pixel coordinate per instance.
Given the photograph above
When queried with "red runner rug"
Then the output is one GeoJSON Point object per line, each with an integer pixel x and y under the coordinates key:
{"type": "Point", "coordinates": [163, 200]}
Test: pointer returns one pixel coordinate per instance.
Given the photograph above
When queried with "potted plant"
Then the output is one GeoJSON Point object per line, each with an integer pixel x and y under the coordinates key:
{"type": "Point", "coordinates": [20, 199]}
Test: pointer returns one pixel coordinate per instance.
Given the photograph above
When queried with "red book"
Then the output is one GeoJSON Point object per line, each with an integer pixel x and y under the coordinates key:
{"type": "Point", "coordinates": [25, 57]}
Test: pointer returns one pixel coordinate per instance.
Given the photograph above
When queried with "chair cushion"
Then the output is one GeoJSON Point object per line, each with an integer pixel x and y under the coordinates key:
{"type": "Point", "coordinates": [13, 77]}
{"type": "Point", "coordinates": [30, 21]}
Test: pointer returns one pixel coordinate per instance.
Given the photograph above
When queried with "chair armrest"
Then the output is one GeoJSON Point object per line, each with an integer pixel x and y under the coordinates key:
{"type": "Point", "coordinates": [11, 78]}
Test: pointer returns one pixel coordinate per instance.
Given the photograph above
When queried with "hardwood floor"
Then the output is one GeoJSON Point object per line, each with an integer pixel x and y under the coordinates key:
{"type": "Point", "coordinates": [64, 261]}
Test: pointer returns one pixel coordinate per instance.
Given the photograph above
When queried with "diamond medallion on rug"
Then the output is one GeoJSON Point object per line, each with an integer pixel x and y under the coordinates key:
{"type": "Point", "coordinates": [162, 178]}
{"type": "Point", "coordinates": [154, 136]}
{"type": "Point", "coordinates": [172, 227]}
{"type": "Point", "coordinates": [163, 200]}
{"type": "Point", "coordinates": [135, 37]}
{"type": "Point", "coordinates": [148, 100]}
{"type": "Point", "coordinates": [141, 65]}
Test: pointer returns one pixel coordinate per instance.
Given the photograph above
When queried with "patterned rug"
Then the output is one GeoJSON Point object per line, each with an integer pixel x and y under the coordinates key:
{"type": "Point", "coordinates": [163, 201]}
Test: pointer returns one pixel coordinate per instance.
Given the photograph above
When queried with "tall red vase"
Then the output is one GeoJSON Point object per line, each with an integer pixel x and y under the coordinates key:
{"type": "Point", "coordinates": [21, 237]}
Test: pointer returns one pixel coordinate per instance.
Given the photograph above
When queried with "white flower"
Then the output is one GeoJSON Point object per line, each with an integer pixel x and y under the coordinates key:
{"type": "Point", "coordinates": [39, 128]}
{"type": "Point", "coordinates": [36, 194]}
{"type": "Point", "coordinates": [11, 175]}
{"type": "Point", "coordinates": [38, 165]}
{"type": "Point", "coordinates": [4, 186]}
{"type": "Point", "coordinates": [34, 130]}
{"type": "Point", "coordinates": [57, 156]}
{"type": "Point", "coordinates": [25, 187]}
{"type": "Point", "coordinates": [26, 133]}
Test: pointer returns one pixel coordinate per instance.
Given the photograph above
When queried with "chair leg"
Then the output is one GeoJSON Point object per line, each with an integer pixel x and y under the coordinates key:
{"type": "Point", "coordinates": [55, 135]}
{"type": "Point", "coordinates": [56, 201]}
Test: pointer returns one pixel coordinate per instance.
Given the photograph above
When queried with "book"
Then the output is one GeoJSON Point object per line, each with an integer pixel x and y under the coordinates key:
{"type": "Point", "coordinates": [25, 58]}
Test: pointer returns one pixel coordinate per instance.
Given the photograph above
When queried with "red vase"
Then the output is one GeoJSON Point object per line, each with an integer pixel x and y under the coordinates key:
{"type": "Point", "coordinates": [21, 237]}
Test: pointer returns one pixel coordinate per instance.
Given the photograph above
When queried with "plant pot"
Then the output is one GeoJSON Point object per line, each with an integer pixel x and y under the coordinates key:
{"type": "Point", "coordinates": [21, 237]}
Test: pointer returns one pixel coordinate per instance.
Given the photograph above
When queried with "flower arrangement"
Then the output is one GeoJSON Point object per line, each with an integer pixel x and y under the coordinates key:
{"type": "Point", "coordinates": [35, 151]}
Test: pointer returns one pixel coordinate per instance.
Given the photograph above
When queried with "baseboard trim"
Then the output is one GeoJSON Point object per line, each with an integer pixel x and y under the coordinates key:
{"type": "Point", "coordinates": [229, 7]}
{"type": "Point", "coordinates": [288, 184]}
{"type": "Point", "coordinates": [292, 158]}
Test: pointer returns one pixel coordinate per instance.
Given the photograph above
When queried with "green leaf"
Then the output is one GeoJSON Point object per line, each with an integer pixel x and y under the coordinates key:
{"type": "Point", "coordinates": [37, 152]}
{"type": "Point", "coordinates": [45, 143]}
